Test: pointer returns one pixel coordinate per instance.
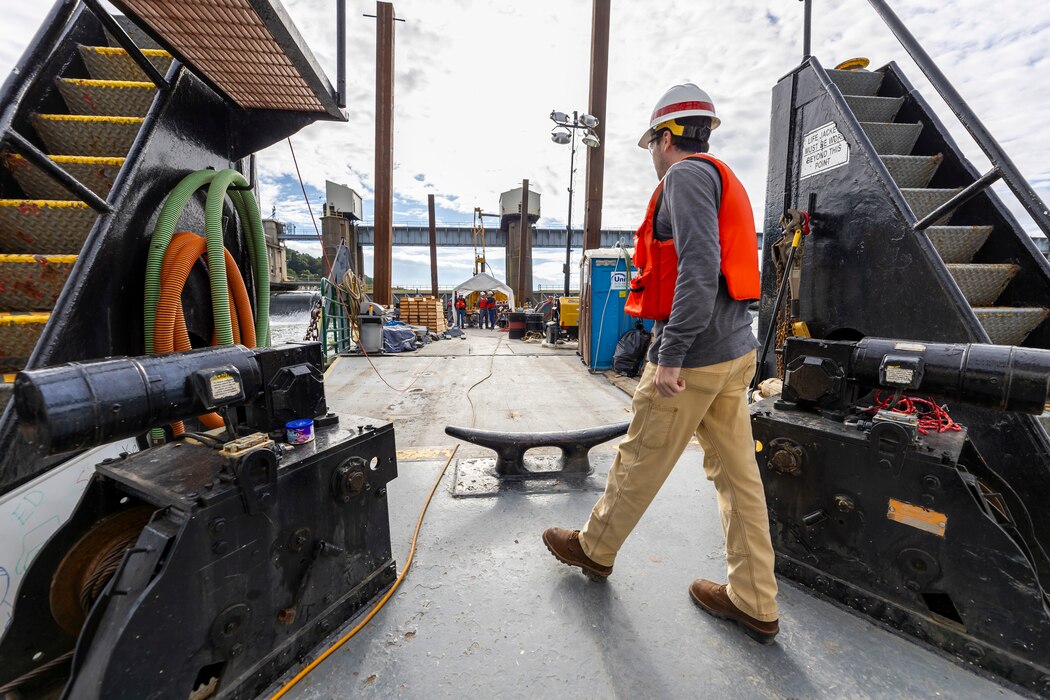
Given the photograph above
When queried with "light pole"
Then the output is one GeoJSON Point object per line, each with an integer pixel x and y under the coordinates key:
{"type": "Point", "coordinates": [565, 133]}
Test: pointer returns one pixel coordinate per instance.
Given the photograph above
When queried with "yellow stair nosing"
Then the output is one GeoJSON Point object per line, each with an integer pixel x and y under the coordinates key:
{"type": "Point", "coordinates": [79, 160]}
{"type": "Point", "coordinates": [23, 318]}
{"type": "Point", "coordinates": [44, 203]}
{"type": "Point", "coordinates": [9, 379]}
{"type": "Point", "coordinates": [113, 50]}
{"type": "Point", "coordinates": [92, 82]}
{"type": "Point", "coordinates": [89, 118]}
{"type": "Point", "coordinates": [19, 258]}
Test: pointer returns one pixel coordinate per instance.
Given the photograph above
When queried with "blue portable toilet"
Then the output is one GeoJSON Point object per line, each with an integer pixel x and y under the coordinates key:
{"type": "Point", "coordinates": [604, 277]}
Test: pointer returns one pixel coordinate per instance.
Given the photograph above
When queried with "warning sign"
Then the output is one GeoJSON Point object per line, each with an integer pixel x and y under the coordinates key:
{"type": "Point", "coordinates": [823, 149]}
{"type": "Point", "coordinates": [224, 386]}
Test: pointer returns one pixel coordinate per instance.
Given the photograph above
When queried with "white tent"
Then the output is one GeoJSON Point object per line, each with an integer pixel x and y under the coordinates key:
{"type": "Point", "coordinates": [483, 282]}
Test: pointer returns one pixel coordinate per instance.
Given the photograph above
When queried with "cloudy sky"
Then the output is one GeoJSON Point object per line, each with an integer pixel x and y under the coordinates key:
{"type": "Point", "coordinates": [475, 82]}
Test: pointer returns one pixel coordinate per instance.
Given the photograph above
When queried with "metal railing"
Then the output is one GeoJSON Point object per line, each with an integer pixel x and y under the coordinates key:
{"type": "Point", "coordinates": [336, 331]}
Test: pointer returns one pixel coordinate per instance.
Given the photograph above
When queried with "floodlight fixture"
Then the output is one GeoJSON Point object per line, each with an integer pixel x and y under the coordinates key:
{"type": "Point", "coordinates": [563, 134]}
{"type": "Point", "coordinates": [560, 117]}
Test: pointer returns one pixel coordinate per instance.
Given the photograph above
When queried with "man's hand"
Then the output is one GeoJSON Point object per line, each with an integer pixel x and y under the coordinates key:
{"type": "Point", "coordinates": [667, 382]}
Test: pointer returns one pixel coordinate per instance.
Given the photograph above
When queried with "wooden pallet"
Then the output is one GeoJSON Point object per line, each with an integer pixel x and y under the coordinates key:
{"type": "Point", "coordinates": [424, 311]}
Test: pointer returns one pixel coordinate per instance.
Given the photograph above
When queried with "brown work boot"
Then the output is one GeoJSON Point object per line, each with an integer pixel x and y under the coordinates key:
{"type": "Point", "coordinates": [713, 598]}
{"type": "Point", "coordinates": [565, 546]}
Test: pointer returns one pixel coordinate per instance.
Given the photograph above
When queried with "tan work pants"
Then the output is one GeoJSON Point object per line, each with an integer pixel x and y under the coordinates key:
{"type": "Point", "coordinates": [713, 407]}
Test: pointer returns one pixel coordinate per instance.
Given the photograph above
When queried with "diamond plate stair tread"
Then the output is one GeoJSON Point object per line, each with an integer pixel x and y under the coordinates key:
{"type": "Point", "coordinates": [106, 63]}
{"type": "Point", "coordinates": [924, 200]}
{"type": "Point", "coordinates": [982, 284]}
{"type": "Point", "coordinates": [856, 82]}
{"type": "Point", "coordinates": [19, 333]}
{"type": "Point", "coordinates": [97, 174]}
{"type": "Point", "coordinates": [116, 98]}
{"type": "Point", "coordinates": [44, 227]}
{"type": "Point", "coordinates": [912, 171]}
{"type": "Point", "coordinates": [1008, 325]}
{"type": "Point", "coordinates": [874, 109]}
{"type": "Point", "coordinates": [33, 282]}
{"type": "Point", "coordinates": [892, 139]}
{"type": "Point", "coordinates": [957, 244]}
{"type": "Point", "coordinates": [1045, 420]}
{"type": "Point", "coordinates": [83, 135]}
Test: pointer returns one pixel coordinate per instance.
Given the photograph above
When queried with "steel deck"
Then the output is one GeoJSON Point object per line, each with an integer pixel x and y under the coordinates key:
{"type": "Point", "coordinates": [486, 612]}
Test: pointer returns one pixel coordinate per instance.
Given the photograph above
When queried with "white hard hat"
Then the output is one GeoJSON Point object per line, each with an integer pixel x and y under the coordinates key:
{"type": "Point", "coordinates": [685, 100]}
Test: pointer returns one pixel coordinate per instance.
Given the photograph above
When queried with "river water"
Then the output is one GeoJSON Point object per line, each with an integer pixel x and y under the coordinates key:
{"type": "Point", "coordinates": [290, 315]}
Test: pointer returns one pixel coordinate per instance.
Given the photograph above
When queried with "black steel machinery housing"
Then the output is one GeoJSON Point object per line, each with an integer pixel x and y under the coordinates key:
{"type": "Point", "coordinates": [242, 555]}
{"type": "Point", "coordinates": [917, 530]}
{"type": "Point", "coordinates": [942, 536]}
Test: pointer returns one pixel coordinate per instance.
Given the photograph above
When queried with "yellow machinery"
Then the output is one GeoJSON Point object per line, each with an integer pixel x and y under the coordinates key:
{"type": "Point", "coordinates": [570, 312]}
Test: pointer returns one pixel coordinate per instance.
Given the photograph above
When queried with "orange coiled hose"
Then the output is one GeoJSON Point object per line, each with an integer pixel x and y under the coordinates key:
{"type": "Point", "coordinates": [170, 333]}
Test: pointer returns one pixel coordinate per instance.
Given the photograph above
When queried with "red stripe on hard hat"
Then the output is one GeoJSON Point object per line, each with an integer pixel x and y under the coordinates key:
{"type": "Point", "coordinates": [681, 107]}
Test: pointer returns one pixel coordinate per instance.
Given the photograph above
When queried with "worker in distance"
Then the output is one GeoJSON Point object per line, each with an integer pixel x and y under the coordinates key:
{"type": "Point", "coordinates": [697, 256]}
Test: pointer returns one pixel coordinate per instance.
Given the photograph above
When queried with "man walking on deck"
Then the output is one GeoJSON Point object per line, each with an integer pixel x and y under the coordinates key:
{"type": "Point", "coordinates": [698, 259]}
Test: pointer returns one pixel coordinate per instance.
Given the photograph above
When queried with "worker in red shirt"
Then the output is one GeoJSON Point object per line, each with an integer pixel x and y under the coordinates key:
{"type": "Point", "coordinates": [461, 311]}
{"type": "Point", "coordinates": [483, 308]}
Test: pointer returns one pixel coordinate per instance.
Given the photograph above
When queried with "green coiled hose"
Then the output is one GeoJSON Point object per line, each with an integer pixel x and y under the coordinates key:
{"type": "Point", "coordinates": [219, 182]}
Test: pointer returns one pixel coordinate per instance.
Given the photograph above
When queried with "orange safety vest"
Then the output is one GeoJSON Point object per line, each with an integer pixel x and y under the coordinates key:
{"type": "Point", "coordinates": [652, 290]}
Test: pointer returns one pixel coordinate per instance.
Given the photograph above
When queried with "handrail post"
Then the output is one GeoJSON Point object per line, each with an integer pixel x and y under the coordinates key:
{"type": "Point", "coordinates": [1027, 196]}
{"type": "Point", "coordinates": [980, 185]}
{"type": "Point", "coordinates": [807, 29]}
{"type": "Point", "coordinates": [340, 53]}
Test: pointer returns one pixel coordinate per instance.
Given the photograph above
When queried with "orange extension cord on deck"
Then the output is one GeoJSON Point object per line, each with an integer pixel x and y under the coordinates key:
{"type": "Point", "coordinates": [170, 334]}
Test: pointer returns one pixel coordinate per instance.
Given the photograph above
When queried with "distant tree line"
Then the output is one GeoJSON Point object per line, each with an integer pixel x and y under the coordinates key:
{"type": "Point", "coordinates": [306, 266]}
{"type": "Point", "coordinates": [302, 264]}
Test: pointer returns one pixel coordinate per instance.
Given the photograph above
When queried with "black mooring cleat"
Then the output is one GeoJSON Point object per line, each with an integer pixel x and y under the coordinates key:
{"type": "Point", "coordinates": [510, 448]}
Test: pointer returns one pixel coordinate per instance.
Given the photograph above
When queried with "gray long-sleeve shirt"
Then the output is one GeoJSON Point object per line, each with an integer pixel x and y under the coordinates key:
{"type": "Point", "coordinates": [706, 325]}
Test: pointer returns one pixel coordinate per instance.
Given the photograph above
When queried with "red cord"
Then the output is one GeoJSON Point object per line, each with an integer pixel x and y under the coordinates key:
{"type": "Point", "coordinates": [932, 416]}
